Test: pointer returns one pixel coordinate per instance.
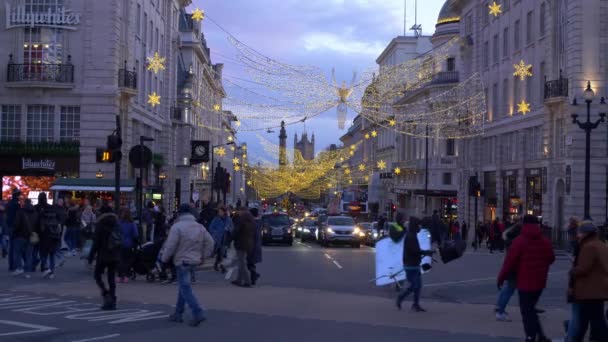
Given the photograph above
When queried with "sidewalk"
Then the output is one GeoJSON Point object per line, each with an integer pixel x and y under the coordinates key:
{"type": "Point", "coordinates": [322, 305]}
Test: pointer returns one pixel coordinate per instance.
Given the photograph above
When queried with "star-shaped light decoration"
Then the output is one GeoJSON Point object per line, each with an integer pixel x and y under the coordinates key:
{"type": "Point", "coordinates": [362, 167]}
{"type": "Point", "coordinates": [156, 63]}
{"type": "Point", "coordinates": [367, 178]}
{"type": "Point", "coordinates": [242, 190]}
{"type": "Point", "coordinates": [495, 9]}
{"type": "Point", "coordinates": [230, 138]}
{"type": "Point", "coordinates": [153, 99]}
{"type": "Point", "coordinates": [220, 151]}
{"type": "Point", "coordinates": [350, 181]}
{"type": "Point", "coordinates": [237, 123]}
{"type": "Point", "coordinates": [352, 147]}
{"type": "Point", "coordinates": [381, 165]}
{"type": "Point", "coordinates": [255, 172]}
{"type": "Point", "coordinates": [245, 156]}
{"type": "Point", "coordinates": [397, 171]}
{"type": "Point", "coordinates": [329, 185]}
{"type": "Point", "coordinates": [367, 136]}
{"type": "Point", "coordinates": [216, 107]}
{"type": "Point", "coordinates": [235, 161]}
{"type": "Point", "coordinates": [237, 168]}
{"type": "Point", "coordinates": [246, 165]}
{"type": "Point", "coordinates": [232, 148]}
{"type": "Point", "coordinates": [352, 153]}
{"type": "Point", "coordinates": [249, 182]}
{"type": "Point", "coordinates": [198, 14]}
{"type": "Point", "coordinates": [347, 171]}
{"type": "Point", "coordinates": [374, 134]}
{"type": "Point", "coordinates": [522, 70]}
{"type": "Point", "coordinates": [523, 107]}
{"type": "Point", "coordinates": [244, 147]}
{"type": "Point", "coordinates": [392, 122]}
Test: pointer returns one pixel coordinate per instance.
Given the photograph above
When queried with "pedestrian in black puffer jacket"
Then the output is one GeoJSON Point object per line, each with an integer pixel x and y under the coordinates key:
{"type": "Point", "coordinates": [107, 250]}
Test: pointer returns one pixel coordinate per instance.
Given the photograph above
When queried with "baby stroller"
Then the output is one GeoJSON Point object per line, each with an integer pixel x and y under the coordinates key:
{"type": "Point", "coordinates": [146, 262]}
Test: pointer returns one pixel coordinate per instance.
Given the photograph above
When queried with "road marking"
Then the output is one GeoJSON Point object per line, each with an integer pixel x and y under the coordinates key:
{"type": "Point", "coordinates": [328, 256]}
{"type": "Point", "coordinates": [34, 328]}
{"type": "Point", "coordinates": [337, 264]}
{"type": "Point", "coordinates": [308, 246]}
{"type": "Point", "coordinates": [98, 338]}
{"type": "Point", "coordinates": [477, 280]}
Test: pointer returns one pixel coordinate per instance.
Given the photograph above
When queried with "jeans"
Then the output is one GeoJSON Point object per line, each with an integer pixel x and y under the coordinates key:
{"type": "Point", "coordinates": [592, 313]}
{"type": "Point", "coordinates": [574, 325]}
{"type": "Point", "coordinates": [185, 294]}
{"type": "Point", "coordinates": [11, 254]}
{"type": "Point", "coordinates": [505, 295]}
{"type": "Point", "coordinates": [51, 258]}
{"type": "Point", "coordinates": [243, 273]}
{"type": "Point", "coordinates": [527, 306]}
{"type": "Point", "coordinates": [100, 267]}
{"type": "Point", "coordinates": [72, 238]}
{"type": "Point", "coordinates": [414, 277]}
{"type": "Point", "coordinates": [126, 260]}
{"type": "Point", "coordinates": [22, 254]}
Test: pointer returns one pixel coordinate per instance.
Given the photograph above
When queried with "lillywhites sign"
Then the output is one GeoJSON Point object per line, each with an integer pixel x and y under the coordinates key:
{"type": "Point", "coordinates": [60, 18]}
{"type": "Point", "coordinates": [45, 164]}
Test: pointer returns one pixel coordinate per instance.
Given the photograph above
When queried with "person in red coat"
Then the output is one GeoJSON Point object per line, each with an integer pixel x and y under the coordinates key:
{"type": "Point", "coordinates": [530, 257]}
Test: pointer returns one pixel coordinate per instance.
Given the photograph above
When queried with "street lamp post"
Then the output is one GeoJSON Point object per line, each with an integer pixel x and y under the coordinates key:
{"type": "Point", "coordinates": [142, 140]}
{"type": "Point", "coordinates": [212, 170]}
{"type": "Point", "coordinates": [588, 126]}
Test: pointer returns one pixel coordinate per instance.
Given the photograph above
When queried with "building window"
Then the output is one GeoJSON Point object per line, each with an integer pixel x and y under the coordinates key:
{"type": "Point", "coordinates": [484, 55]}
{"type": "Point", "coordinates": [485, 16]}
{"type": "Point", "coordinates": [529, 28]}
{"type": "Point", "coordinates": [494, 101]}
{"type": "Point", "coordinates": [447, 178]}
{"type": "Point", "coordinates": [560, 138]}
{"type": "Point", "coordinates": [495, 52]}
{"type": "Point", "coordinates": [529, 91]}
{"type": "Point", "coordinates": [541, 81]}
{"type": "Point", "coordinates": [70, 123]}
{"type": "Point", "coordinates": [516, 35]}
{"type": "Point", "coordinates": [138, 19]}
{"type": "Point", "coordinates": [505, 42]}
{"type": "Point", "coordinates": [506, 5]}
{"type": "Point", "coordinates": [515, 90]}
{"type": "Point", "coordinates": [11, 123]}
{"type": "Point", "coordinates": [42, 46]}
{"type": "Point", "coordinates": [145, 30]}
{"type": "Point", "coordinates": [450, 147]}
{"type": "Point", "coordinates": [40, 123]}
{"type": "Point", "coordinates": [543, 13]}
{"type": "Point", "coordinates": [451, 64]}
{"type": "Point", "coordinates": [505, 97]}
{"type": "Point", "coordinates": [468, 24]}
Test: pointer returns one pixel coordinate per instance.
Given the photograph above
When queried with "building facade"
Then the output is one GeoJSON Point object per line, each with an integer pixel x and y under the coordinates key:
{"type": "Point", "coordinates": [71, 73]}
{"type": "Point", "coordinates": [532, 162]}
{"type": "Point", "coordinates": [304, 146]}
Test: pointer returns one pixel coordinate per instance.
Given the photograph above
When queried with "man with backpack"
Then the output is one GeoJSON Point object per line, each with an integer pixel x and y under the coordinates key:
{"type": "Point", "coordinates": [107, 247]}
{"type": "Point", "coordinates": [49, 230]}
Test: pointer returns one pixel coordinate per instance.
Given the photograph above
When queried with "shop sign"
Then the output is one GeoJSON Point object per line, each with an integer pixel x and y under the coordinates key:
{"type": "Point", "coordinates": [62, 18]}
{"type": "Point", "coordinates": [39, 164]}
{"type": "Point", "coordinates": [399, 191]}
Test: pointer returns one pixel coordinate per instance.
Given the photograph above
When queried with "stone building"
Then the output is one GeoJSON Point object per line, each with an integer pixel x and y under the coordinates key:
{"type": "Point", "coordinates": [533, 162]}
{"type": "Point", "coordinates": [304, 146]}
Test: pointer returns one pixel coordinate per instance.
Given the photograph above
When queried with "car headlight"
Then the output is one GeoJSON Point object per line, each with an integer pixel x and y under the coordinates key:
{"type": "Point", "coordinates": [306, 230]}
{"type": "Point", "coordinates": [329, 230]}
{"type": "Point", "coordinates": [357, 230]}
{"type": "Point", "coordinates": [375, 235]}
{"type": "Point", "coordinates": [288, 230]}
{"type": "Point", "coordinates": [299, 229]}
{"type": "Point", "coordinates": [361, 234]}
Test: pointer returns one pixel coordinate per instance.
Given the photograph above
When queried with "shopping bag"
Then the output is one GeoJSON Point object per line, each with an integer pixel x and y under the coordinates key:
{"type": "Point", "coordinates": [86, 249]}
{"type": "Point", "coordinates": [452, 250]}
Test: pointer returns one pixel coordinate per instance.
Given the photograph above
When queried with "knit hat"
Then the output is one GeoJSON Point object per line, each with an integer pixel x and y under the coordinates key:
{"type": "Point", "coordinates": [587, 227]}
{"type": "Point", "coordinates": [184, 208]}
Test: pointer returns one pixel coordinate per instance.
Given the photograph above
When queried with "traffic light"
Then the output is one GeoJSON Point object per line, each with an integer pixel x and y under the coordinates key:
{"type": "Point", "coordinates": [104, 156]}
{"type": "Point", "coordinates": [113, 144]}
{"type": "Point", "coordinates": [393, 207]}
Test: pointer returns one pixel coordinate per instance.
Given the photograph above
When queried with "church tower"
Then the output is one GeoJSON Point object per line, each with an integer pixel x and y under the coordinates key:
{"type": "Point", "coordinates": [305, 146]}
{"type": "Point", "coordinates": [283, 145]}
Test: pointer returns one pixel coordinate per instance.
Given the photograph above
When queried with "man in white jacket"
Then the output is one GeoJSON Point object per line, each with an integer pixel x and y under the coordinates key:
{"type": "Point", "coordinates": [187, 245]}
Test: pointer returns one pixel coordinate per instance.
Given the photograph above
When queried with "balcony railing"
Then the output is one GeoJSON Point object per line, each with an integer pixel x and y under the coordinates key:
{"type": "Point", "coordinates": [444, 77]}
{"type": "Point", "coordinates": [127, 79]}
{"type": "Point", "coordinates": [54, 73]}
{"type": "Point", "coordinates": [556, 88]}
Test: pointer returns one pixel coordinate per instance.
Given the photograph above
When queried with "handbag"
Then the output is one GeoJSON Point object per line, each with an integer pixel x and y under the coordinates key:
{"type": "Point", "coordinates": [34, 238]}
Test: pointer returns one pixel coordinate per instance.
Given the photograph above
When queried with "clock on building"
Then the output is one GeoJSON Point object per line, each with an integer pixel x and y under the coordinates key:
{"type": "Point", "coordinates": [200, 152]}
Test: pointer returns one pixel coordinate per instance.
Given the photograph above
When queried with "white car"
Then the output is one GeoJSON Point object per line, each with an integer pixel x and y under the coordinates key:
{"type": "Point", "coordinates": [341, 230]}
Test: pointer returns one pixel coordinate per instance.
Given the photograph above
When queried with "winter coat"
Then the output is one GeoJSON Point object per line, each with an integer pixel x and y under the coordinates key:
{"type": "Point", "coordinates": [24, 223]}
{"type": "Point", "coordinates": [129, 234]}
{"type": "Point", "coordinates": [11, 211]}
{"type": "Point", "coordinates": [207, 214]}
{"type": "Point", "coordinates": [217, 229]}
{"type": "Point", "coordinates": [188, 242]}
{"type": "Point", "coordinates": [530, 257]}
{"type": "Point", "coordinates": [412, 254]}
{"type": "Point", "coordinates": [244, 232]}
{"type": "Point", "coordinates": [590, 275]}
{"type": "Point", "coordinates": [255, 256]}
{"type": "Point", "coordinates": [47, 244]}
{"type": "Point", "coordinates": [73, 218]}
{"type": "Point", "coordinates": [106, 224]}
{"type": "Point", "coordinates": [396, 232]}
{"type": "Point", "coordinates": [510, 234]}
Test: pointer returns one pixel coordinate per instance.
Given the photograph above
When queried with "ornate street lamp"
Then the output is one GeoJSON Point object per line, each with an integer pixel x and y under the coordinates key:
{"type": "Point", "coordinates": [588, 126]}
{"type": "Point", "coordinates": [98, 174]}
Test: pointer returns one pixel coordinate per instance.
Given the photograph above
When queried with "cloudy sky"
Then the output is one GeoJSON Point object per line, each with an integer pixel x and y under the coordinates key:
{"type": "Point", "coordinates": [346, 34]}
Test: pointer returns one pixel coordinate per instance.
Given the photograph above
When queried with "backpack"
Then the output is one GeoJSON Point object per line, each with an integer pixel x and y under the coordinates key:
{"type": "Point", "coordinates": [51, 224]}
{"type": "Point", "coordinates": [114, 241]}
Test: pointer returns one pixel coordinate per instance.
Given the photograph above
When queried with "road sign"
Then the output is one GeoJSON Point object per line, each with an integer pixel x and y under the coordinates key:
{"type": "Point", "coordinates": [140, 156]}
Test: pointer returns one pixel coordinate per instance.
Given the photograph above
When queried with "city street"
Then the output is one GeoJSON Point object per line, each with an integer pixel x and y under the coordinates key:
{"type": "Point", "coordinates": [306, 293]}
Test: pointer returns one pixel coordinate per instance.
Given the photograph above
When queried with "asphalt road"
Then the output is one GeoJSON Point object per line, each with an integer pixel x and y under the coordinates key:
{"type": "Point", "coordinates": [344, 303]}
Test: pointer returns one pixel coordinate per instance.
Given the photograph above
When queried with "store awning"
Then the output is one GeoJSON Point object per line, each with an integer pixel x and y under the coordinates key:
{"type": "Point", "coordinates": [84, 184]}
